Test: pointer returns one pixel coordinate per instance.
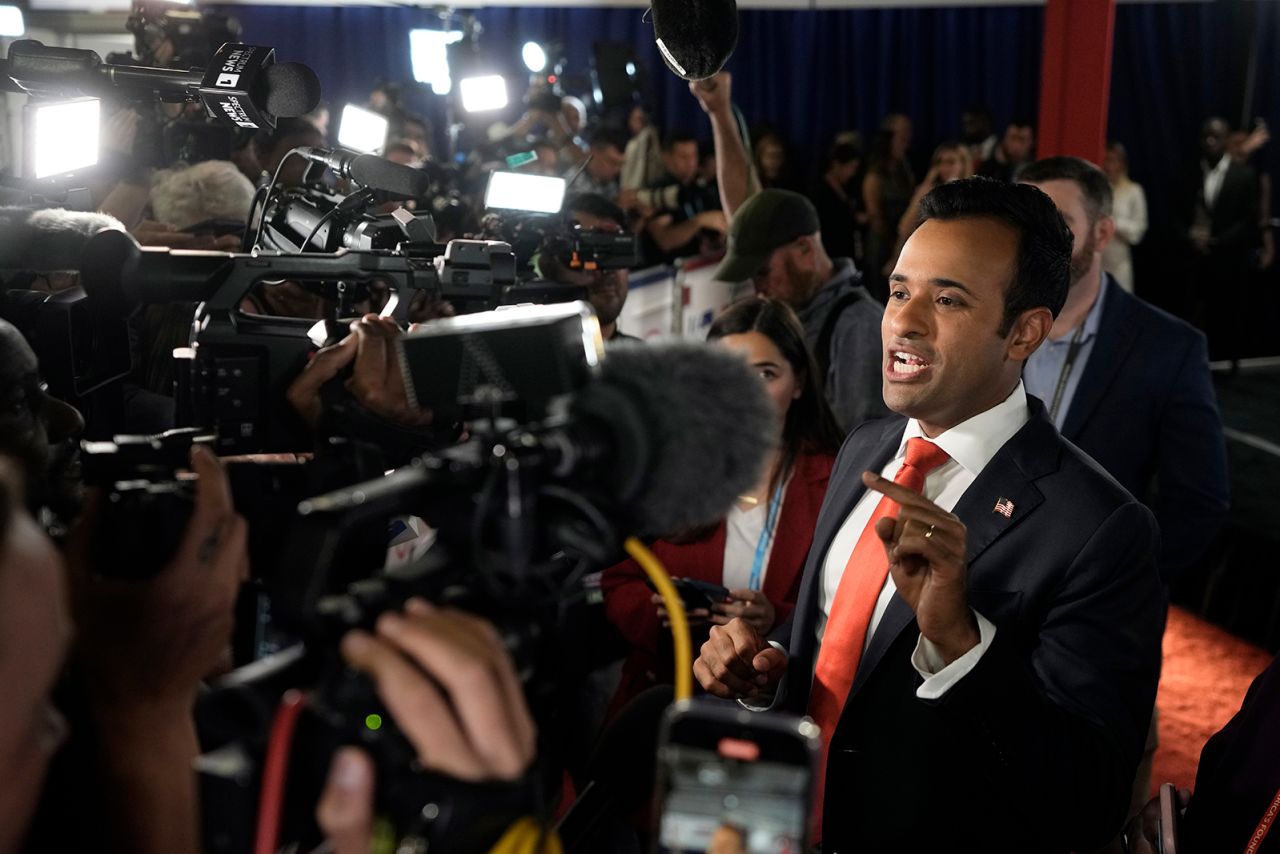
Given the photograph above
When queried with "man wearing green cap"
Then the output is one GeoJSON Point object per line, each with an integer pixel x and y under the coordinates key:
{"type": "Point", "coordinates": [776, 242]}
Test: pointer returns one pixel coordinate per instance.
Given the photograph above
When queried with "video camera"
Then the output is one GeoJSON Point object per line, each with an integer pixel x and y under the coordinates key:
{"type": "Point", "coordinates": [577, 450]}
{"type": "Point", "coordinates": [233, 377]}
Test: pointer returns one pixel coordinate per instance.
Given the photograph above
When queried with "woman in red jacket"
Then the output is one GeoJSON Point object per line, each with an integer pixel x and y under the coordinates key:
{"type": "Point", "coordinates": [758, 550]}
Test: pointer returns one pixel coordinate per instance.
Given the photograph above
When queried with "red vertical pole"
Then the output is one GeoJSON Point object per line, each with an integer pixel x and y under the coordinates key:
{"type": "Point", "coordinates": [1075, 79]}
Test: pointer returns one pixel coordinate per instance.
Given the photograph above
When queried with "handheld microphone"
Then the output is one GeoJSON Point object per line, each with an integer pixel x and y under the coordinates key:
{"type": "Point", "coordinates": [369, 170]}
{"type": "Point", "coordinates": [242, 85]}
{"type": "Point", "coordinates": [695, 37]}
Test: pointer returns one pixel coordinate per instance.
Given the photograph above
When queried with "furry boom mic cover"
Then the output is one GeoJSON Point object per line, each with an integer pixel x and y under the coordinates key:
{"type": "Point", "coordinates": [695, 37]}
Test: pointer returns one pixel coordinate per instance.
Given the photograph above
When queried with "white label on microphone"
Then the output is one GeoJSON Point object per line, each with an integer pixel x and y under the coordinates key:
{"type": "Point", "coordinates": [671, 60]}
{"type": "Point", "coordinates": [227, 80]}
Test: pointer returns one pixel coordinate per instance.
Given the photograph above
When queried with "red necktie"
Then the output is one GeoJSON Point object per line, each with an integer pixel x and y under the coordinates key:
{"type": "Point", "coordinates": [852, 609]}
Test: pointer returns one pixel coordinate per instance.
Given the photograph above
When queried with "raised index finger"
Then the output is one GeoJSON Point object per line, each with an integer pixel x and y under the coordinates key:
{"type": "Point", "coordinates": [896, 491]}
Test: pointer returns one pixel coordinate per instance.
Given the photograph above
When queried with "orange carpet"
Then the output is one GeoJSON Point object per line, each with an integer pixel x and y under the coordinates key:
{"type": "Point", "coordinates": [1205, 676]}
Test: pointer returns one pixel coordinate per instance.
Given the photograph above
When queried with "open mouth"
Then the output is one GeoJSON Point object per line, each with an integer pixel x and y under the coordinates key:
{"type": "Point", "coordinates": [904, 364]}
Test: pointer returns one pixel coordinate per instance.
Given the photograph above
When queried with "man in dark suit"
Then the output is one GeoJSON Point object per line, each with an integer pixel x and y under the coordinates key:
{"type": "Point", "coordinates": [1128, 383]}
{"type": "Point", "coordinates": [982, 663]}
{"type": "Point", "coordinates": [1219, 219]}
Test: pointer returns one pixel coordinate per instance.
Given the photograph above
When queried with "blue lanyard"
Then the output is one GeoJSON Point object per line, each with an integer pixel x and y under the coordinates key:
{"type": "Point", "coordinates": [762, 545]}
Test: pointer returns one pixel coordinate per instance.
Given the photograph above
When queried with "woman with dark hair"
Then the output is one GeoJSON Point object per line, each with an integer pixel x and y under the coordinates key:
{"type": "Point", "coordinates": [758, 550]}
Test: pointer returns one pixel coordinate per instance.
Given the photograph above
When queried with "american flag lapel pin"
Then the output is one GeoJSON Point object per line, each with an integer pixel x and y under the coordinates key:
{"type": "Point", "coordinates": [1004, 507]}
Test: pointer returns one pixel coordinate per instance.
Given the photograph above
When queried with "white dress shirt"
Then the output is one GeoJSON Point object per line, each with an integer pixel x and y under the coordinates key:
{"type": "Point", "coordinates": [971, 445]}
{"type": "Point", "coordinates": [1213, 179]}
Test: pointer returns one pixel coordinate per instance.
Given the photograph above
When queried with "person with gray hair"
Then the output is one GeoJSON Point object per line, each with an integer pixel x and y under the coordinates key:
{"type": "Point", "coordinates": [214, 189]}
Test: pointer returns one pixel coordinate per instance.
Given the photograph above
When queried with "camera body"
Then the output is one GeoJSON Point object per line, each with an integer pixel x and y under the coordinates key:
{"type": "Point", "coordinates": [145, 505]}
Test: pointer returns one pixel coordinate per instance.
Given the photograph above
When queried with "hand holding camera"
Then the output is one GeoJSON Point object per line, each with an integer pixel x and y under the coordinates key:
{"type": "Point", "coordinates": [451, 687]}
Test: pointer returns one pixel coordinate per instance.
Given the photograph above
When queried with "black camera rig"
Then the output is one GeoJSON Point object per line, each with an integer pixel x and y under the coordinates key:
{"type": "Point", "coordinates": [238, 365]}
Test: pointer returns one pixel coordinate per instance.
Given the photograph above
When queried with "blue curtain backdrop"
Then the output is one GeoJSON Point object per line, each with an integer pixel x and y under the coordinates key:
{"type": "Point", "coordinates": [812, 73]}
{"type": "Point", "coordinates": [808, 73]}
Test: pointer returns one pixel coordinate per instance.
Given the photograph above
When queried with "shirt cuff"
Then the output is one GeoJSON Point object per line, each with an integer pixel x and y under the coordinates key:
{"type": "Point", "coordinates": [765, 702]}
{"type": "Point", "coordinates": [939, 676]}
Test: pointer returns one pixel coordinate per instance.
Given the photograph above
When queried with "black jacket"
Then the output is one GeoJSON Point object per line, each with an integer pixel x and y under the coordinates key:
{"type": "Point", "coordinates": [1036, 747]}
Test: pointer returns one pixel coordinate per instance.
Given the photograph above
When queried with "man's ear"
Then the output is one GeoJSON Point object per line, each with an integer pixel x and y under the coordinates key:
{"type": "Point", "coordinates": [1028, 332]}
{"type": "Point", "coordinates": [1104, 231]}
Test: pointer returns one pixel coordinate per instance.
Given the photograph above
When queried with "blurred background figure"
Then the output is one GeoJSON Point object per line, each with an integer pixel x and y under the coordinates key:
{"type": "Point", "coordinates": [771, 162]}
{"type": "Point", "coordinates": [837, 207]}
{"type": "Point", "coordinates": [886, 193]}
{"type": "Point", "coordinates": [1129, 209]}
{"type": "Point", "coordinates": [950, 162]}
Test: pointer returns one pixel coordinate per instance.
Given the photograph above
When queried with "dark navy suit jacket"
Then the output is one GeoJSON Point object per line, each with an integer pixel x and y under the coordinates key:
{"type": "Point", "coordinates": [1036, 747]}
{"type": "Point", "coordinates": [1146, 411]}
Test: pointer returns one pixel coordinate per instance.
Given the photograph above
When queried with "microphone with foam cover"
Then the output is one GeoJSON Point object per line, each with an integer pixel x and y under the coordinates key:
{"type": "Point", "coordinates": [695, 37]}
{"type": "Point", "coordinates": [669, 434]}
{"type": "Point", "coordinates": [292, 89]}
{"type": "Point", "coordinates": [676, 432]}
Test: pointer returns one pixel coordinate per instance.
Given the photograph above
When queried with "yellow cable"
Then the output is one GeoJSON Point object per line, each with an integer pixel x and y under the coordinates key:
{"type": "Point", "coordinates": [675, 612]}
{"type": "Point", "coordinates": [526, 836]}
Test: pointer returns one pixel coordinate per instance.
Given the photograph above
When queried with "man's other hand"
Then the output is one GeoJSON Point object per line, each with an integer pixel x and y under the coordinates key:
{"type": "Point", "coordinates": [736, 663]}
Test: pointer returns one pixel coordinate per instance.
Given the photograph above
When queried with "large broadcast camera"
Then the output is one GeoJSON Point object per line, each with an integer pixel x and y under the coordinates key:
{"type": "Point", "coordinates": [570, 452]}
{"type": "Point", "coordinates": [233, 377]}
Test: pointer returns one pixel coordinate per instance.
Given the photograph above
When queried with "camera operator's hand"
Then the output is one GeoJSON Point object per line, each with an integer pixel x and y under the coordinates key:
{"type": "Point", "coordinates": [143, 647]}
{"type": "Point", "coordinates": [150, 643]}
{"type": "Point", "coordinates": [345, 809]}
{"type": "Point", "coordinates": [375, 380]}
{"type": "Point", "coordinates": [452, 688]}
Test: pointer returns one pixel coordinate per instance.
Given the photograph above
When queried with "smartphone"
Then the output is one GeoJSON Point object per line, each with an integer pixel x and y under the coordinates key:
{"type": "Point", "coordinates": [695, 593]}
{"type": "Point", "coordinates": [1168, 819]}
{"type": "Point", "coordinates": [733, 780]}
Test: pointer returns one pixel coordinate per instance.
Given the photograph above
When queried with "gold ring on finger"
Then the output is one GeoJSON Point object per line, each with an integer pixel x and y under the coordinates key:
{"type": "Point", "coordinates": [929, 533]}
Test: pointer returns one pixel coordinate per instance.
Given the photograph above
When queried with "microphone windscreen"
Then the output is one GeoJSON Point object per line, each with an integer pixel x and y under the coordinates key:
{"type": "Point", "coordinates": [695, 37]}
{"type": "Point", "coordinates": [369, 170]}
{"type": "Point", "coordinates": [292, 90]}
{"type": "Point", "coordinates": [708, 425]}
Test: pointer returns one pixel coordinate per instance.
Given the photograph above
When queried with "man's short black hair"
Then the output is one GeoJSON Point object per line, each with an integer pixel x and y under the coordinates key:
{"type": "Point", "coordinates": [597, 206]}
{"type": "Point", "coordinates": [610, 137]}
{"type": "Point", "coordinates": [1091, 180]}
{"type": "Point", "coordinates": [1043, 271]}
{"type": "Point", "coordinates": [676, 137]}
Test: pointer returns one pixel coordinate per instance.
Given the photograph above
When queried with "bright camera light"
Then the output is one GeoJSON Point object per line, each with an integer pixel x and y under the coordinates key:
{"type": "Point", "coordinates": [428, 51]}
{"type": "Point", "coordinates": [64, 136]}
{"type": "Point", "coordinates": [11, 23]}
{"type": "Point", "coordinates": [521, 192]}
{"type": "Point", "coordinates": [480, 94]}
{"type": "Point", "coordinates": [535, 58]}
{"type": "Point", "coordinates": [362, 130]}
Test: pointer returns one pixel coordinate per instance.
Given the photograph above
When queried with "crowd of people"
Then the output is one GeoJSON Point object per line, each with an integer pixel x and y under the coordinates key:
{"type": "Point", "coordinates": [990, 459]}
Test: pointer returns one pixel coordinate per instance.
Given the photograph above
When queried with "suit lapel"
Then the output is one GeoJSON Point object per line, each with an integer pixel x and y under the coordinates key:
{"type": "Point", "coordinates": [1009, 477]}
{"type": "Point", "coordinates": [1111, 345]}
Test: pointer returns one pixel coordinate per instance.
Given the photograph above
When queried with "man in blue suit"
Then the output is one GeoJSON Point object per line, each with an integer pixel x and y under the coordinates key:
{"type": "Point", "coordinates": [978, 628]}
{"type": "Point", "coordinates": [1128, 383]}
